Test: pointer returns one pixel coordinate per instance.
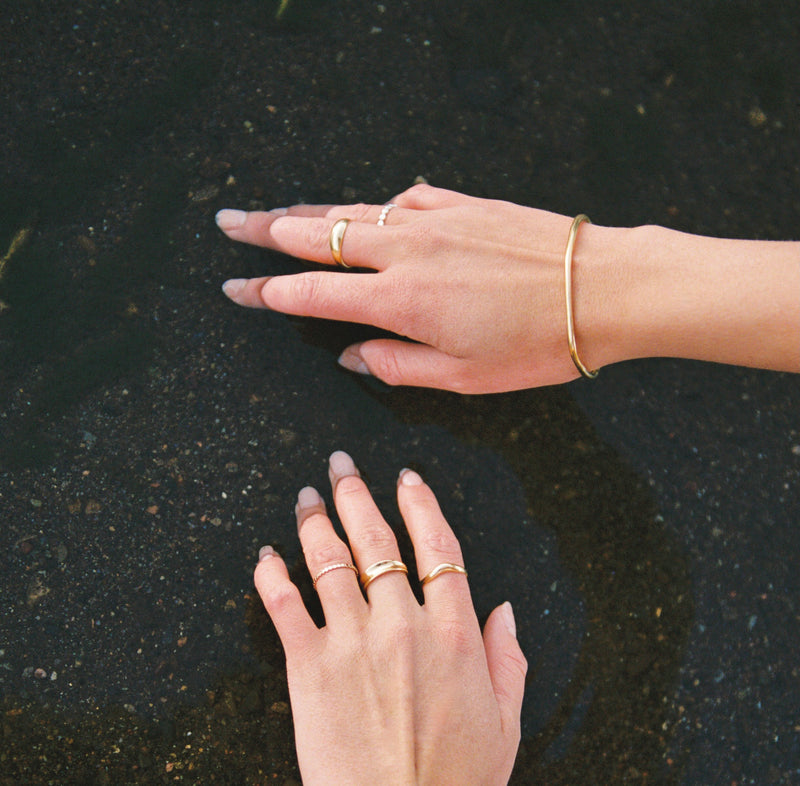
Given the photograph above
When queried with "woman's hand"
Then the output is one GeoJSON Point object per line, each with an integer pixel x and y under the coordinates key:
{"type": "Point", "coordinates": [391, 692]}
{"type": "Point", "coordinates": [477, 284]}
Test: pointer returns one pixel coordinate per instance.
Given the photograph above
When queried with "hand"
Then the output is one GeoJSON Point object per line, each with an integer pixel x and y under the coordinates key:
{"type": "Point", "coordinates": [478, 284]}
{"type": "Point", "coordinates": [389, 691]}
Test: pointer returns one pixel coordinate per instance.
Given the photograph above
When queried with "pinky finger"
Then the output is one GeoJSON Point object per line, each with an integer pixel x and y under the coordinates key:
{"type": "Point", "coordinates": [283, 603]}
{"type": "Point", "coordinates": [406, 363]}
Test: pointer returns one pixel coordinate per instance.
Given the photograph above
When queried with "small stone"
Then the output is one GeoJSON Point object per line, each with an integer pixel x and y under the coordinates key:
{"type": "Point", "coordinates": [756, 117]}
{"type": "Point", "coordinates": [92, 506]}
{"type": "Point", "coordinates": [279, 707]}
{"type": "Point", "coordinates": [40, 674]}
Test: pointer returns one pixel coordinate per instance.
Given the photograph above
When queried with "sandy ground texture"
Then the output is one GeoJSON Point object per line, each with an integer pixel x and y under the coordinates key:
{"type": "Point", "coordinates": [153, 436]}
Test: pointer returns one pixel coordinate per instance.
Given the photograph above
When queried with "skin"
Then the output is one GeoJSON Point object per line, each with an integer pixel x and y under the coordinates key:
{"type": "Point", "coordinates": [390, 691]}
{"type": "Point", "coordinates": [477, 286]}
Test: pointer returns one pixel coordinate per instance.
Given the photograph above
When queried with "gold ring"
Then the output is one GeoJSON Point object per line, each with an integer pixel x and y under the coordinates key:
{"type": "Point", "coordinates": [335, 566]}
{"type": "Point", "coordinates": [444, 567]}
{"type": "Point", "coordinates": [336, 240]}
{"type": "Point", "coordinates": [379, 568]}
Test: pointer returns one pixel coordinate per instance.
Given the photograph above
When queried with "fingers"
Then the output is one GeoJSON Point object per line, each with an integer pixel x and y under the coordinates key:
{"type": "Point", "coordinates": [507, 667]}
{"type": "Point", "coordinates": [405, 363]}
{"type": "Point", "coordinates": [434, 545]}
{"type": "Point", "coordinates": [283, 603]}
{"type": "Point", "coordinates": [327, 557]}
{"type": "Point", "coordinates": [371, 538]}
{"type": "Point", "coordinates": [306, 237]}
{"type": "Point", "coordinates": [303, 231]}
{"type": "Point", "coordinates": [315, 293]}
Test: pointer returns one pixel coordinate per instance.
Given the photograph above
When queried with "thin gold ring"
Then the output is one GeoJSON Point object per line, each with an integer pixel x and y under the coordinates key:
{"type": "Point", "coordinates": [379, 568]}
{"type": "Point", "coordinates": [329, 568]}
{"type": "Point", "coordinates": [444, 567]}
{"type": "Point", "coordinates": [336, 239]}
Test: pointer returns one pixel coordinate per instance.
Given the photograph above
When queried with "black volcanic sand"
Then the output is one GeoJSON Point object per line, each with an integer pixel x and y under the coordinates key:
{"type": "Point", "coordinates": [153, 436]}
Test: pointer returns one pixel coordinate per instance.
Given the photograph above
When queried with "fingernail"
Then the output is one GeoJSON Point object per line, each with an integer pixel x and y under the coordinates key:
{"type": "Point", "coordinates": [410, 478]}
{"type": "Point", "coordinates": [232, 287]}
{"type": "Point", "coordinates": [265, 552]}
{"type": "Point", "coordinates": [308, 497]}
{"type": "Point", "coordinates": [278, 211]}
{"type": "Point", "coordinates": [340, 465]}
{"type": "Point", "coordinates": [230, 219]}
{"type": "Point", "coordinates": [508, 618]}
{"type": "Point", "coordinates": [352, 361]}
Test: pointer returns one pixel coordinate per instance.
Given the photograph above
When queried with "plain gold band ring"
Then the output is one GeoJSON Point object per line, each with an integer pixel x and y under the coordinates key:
{"type": "Point", "coordinates": [379, 568]}
{"type": "Point", "coordinates": [329, 568]}
{"type": "Point", "coordinates": [444, 567]}
{"type": "Point", "coordinates": [336, 240]}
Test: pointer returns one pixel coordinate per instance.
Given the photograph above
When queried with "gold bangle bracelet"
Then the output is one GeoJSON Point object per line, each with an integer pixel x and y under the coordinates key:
{"type": "Point", "coordinates": [573, 349]}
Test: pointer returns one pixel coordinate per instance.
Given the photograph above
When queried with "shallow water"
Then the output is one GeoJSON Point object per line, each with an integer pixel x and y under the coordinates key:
{"type": "Point", "coordinates": [154, 436]}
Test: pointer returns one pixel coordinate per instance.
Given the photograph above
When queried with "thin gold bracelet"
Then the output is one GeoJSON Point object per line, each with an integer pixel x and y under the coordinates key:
{"type": "Point", "coordinates": [573, 349]}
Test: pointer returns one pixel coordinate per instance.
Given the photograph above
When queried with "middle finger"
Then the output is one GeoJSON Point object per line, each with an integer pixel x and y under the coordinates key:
{"type": "Point", "coordinates": [371, 539]}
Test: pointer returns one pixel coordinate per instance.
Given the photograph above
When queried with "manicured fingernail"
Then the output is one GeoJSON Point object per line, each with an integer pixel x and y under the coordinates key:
{"type": "Point", "coordinates": [265, 552]}
{"type": "Point", "coordinates": [508, 618]}
{"type": "Point", "coordinates": [308, 497]}
{"type": "Point", "coordinates": [340, 465]}
{"type": "Point", "coordinates": [230, 219]}
{"type": "Point", "coordinates": [352, 361]}
{"type": "Point", "coordinates": [410, 478]}
{"type": "Point", "coordinates": [232, 287]}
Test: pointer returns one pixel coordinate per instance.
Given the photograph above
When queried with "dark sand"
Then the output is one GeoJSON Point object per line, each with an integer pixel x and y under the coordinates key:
{"type": "Point", "coordinates": [153, 436]}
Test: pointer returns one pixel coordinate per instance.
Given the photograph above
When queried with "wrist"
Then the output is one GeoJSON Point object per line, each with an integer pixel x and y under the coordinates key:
{"type": "Point", "coordinates": [649, 291]}
{"type": "Point", "coordinates": [607, 274]}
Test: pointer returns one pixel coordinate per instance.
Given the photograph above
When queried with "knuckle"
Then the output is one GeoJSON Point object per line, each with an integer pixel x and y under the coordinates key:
{"type": "Point", "coordinates": [418, 191]}
{"type": "Point", "coordinates": [304, 288]}
{"type": "Point", "coordinates": [320, 556]}
{"type": "Point", "coordinates": [386, 367]}
{"type": "Point", "coordinates": [315, 236]}
{"type": "Point", "coordinates": [377, 537]}
{"type": "Point", "coordinates": [359, 211]}
{"type": "Point", "coordinates": [442, 544]}
{"type": "Point", "coordinates": [277, 597]}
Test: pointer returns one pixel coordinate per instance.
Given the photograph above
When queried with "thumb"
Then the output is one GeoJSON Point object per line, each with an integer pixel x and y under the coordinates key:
{"type": "Point", "coordinates": [507, 665]}
{"type": "Point", "coordinates": [406, 363]}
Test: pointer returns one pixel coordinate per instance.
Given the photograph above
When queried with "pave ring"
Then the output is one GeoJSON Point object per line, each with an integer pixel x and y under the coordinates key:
{"type": "Point", "coordinates": [444, 567]}
{"type": "Point", "coordinates": [379, 568]}
{"type": "Point", "coordinates": [336, 240]}
{"type": "Point", "coordinates": [329, 568]}
{"type": "Point", "coordinates": [385, 212]}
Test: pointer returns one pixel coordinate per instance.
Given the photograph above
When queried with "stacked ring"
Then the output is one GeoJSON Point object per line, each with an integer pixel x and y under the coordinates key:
{"type": "Point", "coordinates": [385, 212]}
{"type": "Point", "coordinates": [329, 568]}
{"type": "Point", "coordinates": [444, 567]}
{"type": "Point", "coordinates": [379, 568]}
